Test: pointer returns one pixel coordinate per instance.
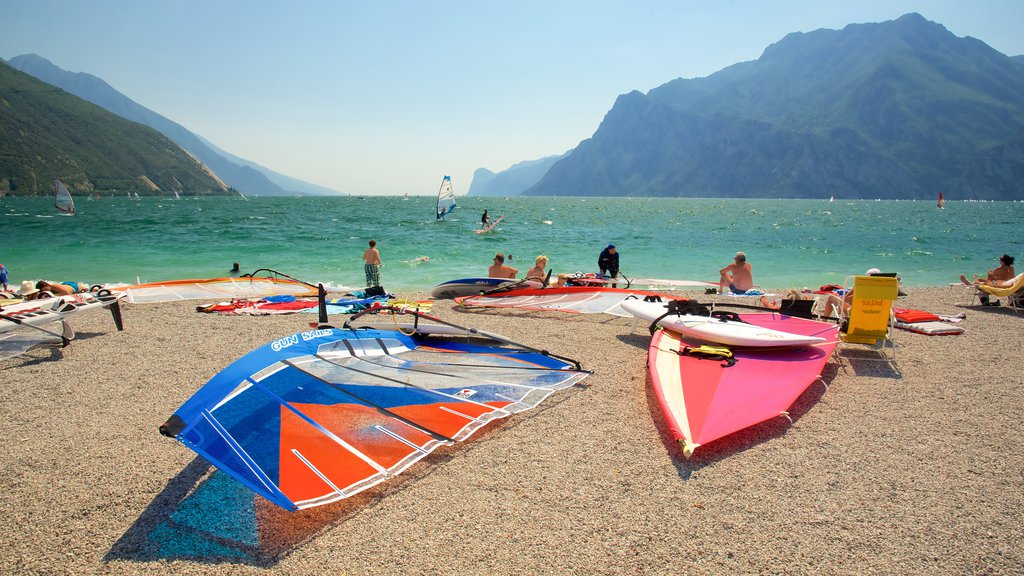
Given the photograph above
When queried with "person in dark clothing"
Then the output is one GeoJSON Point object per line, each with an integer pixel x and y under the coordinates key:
{"type": "Point", "coordinates": [485, 220]}
{"type": "Point", "coordinates": [608, 263]}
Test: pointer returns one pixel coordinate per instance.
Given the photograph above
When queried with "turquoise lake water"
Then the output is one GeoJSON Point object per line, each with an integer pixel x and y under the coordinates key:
{"type": "Point", "coordinates": [789, 243]}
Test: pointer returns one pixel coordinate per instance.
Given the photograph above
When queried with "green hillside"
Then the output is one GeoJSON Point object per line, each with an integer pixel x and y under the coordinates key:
{"type": "Point", "coordinates": [48, 134]}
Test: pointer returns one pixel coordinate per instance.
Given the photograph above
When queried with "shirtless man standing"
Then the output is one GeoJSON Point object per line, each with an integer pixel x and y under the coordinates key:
{"type": "Point", "coordinates": [371, 265]}
{"type": "Point", "coordinates": [737, 276]}
{"type": "Point", "coordinates": [499, 270]}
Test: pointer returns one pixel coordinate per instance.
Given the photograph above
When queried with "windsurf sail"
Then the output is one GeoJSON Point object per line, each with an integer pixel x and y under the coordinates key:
{"type": "Point", "coordinates": [940, 199]}
{"type": "Point", "coordinates": [445, 198]}
{"type": "Point", "coordinates": [245, 287]}
{"type": "Point", "coordinates": [654, 282]}
{"type": "Point", "coordinates": [322, 415]}
{"type": "Point", "coordinates": [572, 299]}
{"type": "Point", "coordinates": [62, 200]}
{"type": "Point", "coordinates": [16, 343]}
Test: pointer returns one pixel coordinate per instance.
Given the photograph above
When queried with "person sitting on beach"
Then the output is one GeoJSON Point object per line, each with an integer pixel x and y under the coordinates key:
{"type": "Point", "coordinates": [371, 260]}
{"type": "Point", "coordinates": [499, 270]}
{"type": "Point", "coordinates": [998, 276]}
{"type": "Point", "coordinates": [538, 272]}
{"type": "Point", "coordinates": [738, 276]}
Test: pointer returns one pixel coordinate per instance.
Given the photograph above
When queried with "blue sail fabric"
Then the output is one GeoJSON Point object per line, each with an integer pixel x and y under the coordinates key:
{"type": "Point", "coordinates": [321, 415]}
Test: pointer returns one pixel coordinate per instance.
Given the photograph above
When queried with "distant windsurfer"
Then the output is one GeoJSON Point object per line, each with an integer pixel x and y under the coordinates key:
{"type": "Point", "coordinates": [738, 276]}
{"type": "Point", "coordinates": [608, 263]}
{"type": "Point", "coordinates": [485, 220]}
{"type": "Point", "coordinates": [371, 259]}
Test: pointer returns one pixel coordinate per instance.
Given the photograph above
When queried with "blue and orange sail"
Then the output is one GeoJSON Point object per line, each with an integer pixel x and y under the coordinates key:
{"type": "Point", "coordinates": [319, 416]}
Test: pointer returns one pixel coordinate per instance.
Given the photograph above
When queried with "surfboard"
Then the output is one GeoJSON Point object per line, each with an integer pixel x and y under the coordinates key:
{"type": "Point", "coordinates": [491, 227]}
{"type": "Point", "coordinates": [704, 399]}
{"type": "Point", "coordinates": [45, 311]}
{"type": "Point", "coordinates": [708, 329]}
{"type": "Point", "coordinates": [469, 286]}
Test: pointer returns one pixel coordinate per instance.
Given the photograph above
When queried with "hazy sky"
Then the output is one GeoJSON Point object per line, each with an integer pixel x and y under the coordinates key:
{"type": "Point", "coordinates": [387, 97]}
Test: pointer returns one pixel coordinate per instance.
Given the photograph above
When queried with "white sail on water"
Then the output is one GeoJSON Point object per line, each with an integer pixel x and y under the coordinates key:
{"type": "Point", "coordinates": [445, 198]}
{"type": "Point", "coordinates": [62, 200]}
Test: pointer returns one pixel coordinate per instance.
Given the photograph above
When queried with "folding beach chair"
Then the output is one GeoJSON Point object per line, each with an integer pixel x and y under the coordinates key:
{"type": "Point", "coordinates": [1014, 293]}
{"type": "Point", "coordinates": [869, 321]}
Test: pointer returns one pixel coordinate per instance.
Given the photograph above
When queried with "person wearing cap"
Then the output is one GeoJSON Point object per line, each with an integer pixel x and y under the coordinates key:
{"type": "Point", "coordinates": [608, 262]}
{"type": "Point", "coordinates": [738, 276]}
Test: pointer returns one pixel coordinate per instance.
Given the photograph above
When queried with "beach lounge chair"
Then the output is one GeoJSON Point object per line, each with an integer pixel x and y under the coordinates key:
{"type": "Point", "coordinates": [1014, 293]}
{"type": "Point", "coordinates": [869, 321]}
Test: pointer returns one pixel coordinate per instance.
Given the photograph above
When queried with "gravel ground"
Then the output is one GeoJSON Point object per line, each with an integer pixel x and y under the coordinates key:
{"type": "Point", "coordinates": [912, 470]}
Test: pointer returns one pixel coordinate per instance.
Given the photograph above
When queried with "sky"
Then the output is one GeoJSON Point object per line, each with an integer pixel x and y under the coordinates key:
{"type": "Point", "coordinates": [387, 97]}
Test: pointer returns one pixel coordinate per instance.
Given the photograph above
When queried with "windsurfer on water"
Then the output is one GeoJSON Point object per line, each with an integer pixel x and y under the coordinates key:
{"type": "Point", "coordinates": [485, 220]}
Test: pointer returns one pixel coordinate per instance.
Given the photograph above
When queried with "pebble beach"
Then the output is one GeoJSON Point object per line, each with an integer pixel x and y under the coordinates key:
{"type": "Point", "coordinates": [915, 467]}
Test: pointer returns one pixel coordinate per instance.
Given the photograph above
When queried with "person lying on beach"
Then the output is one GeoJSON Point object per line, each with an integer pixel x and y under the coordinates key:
{"type": "Point", "coordinates": [44, 289]}
{"type": "Point", "coordinates": [61, 288]}
{"type": "Point", "coordinates": [537, 272]}
{"type": "Point", "coordinates": [499, 270]}
{"type": "Point", "coordinates": [998, 276]}
{"type": "Point", "coordinates": [790, 295]}
{"type": "Point", "coordinates": [738, 276]}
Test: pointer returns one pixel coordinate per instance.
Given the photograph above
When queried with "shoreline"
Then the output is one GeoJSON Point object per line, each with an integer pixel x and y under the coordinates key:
{"type": "Point", "coordinates": [881, 472]}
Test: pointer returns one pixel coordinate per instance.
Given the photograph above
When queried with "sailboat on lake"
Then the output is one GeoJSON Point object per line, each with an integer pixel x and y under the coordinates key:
{"type": "Point", "coordinates": [62, 200]}
{"type": "Point", "coordinates": [445, 198]}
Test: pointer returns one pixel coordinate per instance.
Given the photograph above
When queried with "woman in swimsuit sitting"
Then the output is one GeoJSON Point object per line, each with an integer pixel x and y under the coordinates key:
{"type": "Point", "coordinates": [999, 276]}
{"type": "Point", "coordinates": [537, 272]}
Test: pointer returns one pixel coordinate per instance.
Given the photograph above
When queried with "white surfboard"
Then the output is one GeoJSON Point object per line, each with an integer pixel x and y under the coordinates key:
{"type": "Point", "coordinates": [717, 330]}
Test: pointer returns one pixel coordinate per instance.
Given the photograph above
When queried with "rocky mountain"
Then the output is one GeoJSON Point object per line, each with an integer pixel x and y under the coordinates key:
{"type": "Point", "coordinates": [899, 109]}
{"type": "Point", "coordinates": [243, 175]}
{"type": "Point", "coordinates": [514, 180]}
{"type": "Point", "coordinates": [48, 134]}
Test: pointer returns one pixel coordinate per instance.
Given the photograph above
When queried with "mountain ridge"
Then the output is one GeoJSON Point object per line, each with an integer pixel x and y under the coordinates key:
{"type": "Point", "coordinates": [899, 109]}
{"type": "Point", "coordinates": [48, 134]}
{"type": "Point", "coordinates": [240, 174]}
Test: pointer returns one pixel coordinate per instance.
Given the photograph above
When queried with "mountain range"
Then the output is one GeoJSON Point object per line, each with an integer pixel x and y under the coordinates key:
{"type": "Point", "coordinates": [48, 134]}
{"type": "Point", "coordinates": [898, 109]}
{"type": "Point", "coordinates": [512, 181]}
{"type": "Point", "coordinates": [250, 178]}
